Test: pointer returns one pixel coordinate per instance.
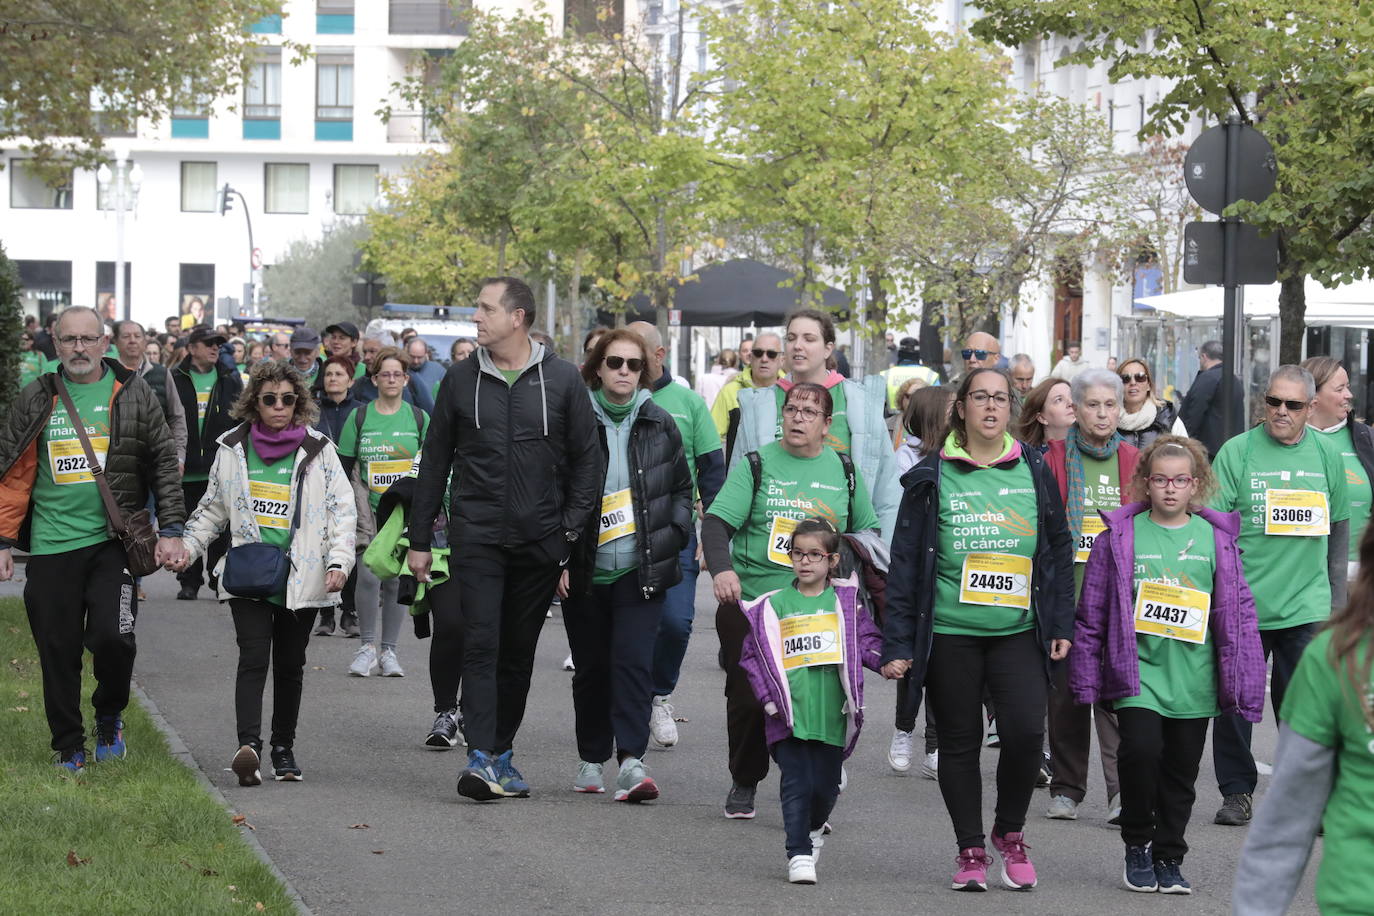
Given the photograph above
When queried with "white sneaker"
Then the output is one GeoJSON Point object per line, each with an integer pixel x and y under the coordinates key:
{"type": "Point", "coordinates": [899, 752]}
{"type": "Point", "coordinates": [390, 665]}
{"type": "Point", "coordinates": [1114, 810]}
{"type": "Point", "coordinates": [568, 663]}
{"type": "Point", "coordinates": [801, 869]}
{"type": "Point", "coordinates": [589, 778]}
{"type": "Point", "coordinates": [662, 728]}
{"type": "Point", "coordinates": [1062, 808]}
{"type": "Point", "coordinates": [844, 777]}
{"type": "Point", "coordinates": [364, 661]}
{"type": "Point", "coordinates": [930, 769]}
{"type": "Point", "coordinates": [817, 841]}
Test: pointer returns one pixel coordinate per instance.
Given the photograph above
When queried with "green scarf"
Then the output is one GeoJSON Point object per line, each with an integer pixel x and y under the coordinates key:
{"type": "Point", "coordinates": [616, 412]}
{"type": "Point", "coordinates": [1074, 450]}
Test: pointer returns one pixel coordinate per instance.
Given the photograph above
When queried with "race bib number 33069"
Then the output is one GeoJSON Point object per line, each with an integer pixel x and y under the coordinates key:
{"type": "Point", "coordinates": [1296, 513]}
{"type": "Point", "coordinates": [996, 579]}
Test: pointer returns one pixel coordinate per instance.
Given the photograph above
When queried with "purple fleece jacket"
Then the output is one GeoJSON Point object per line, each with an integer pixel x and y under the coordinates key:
{"type": "Point", "coordinates": [761, 661]}
{"type": "Point", "coordinates": [1104, 663]}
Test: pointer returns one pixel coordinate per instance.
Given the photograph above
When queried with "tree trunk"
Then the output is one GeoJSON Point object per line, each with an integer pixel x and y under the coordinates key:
{"type": "Point", "coordinates": [932, 337]}
{"type": "Point", "coordinates": [575, 330]}
{"type": "Point", "coordinates": [501, 252]}
{"type": "Point", "coordinates": [875, 319]}
{"type": "Point", "coordinates": [1292, 317]}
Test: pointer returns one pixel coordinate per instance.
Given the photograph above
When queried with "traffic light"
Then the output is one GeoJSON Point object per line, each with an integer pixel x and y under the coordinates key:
{"type": "Point", "coordinates": [226, 202]}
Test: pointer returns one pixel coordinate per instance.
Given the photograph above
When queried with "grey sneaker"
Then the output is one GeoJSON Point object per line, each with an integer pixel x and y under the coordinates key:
{"type": "Point", "coordinates": [662, 725]}
{"type": "Point", "coordinates": [390, 665]}
{"type": "Point", "coordinates": [633, 783]}
{"type": "Point", "coordinates": [739, 804]}
{"type": "Point", "coordinates": [364, 661]}
{"type": "Point", "coordinates": [899, 752]}
{"type": "Point", "coordinates": [446, 732]}
{"type": "Point", "coordinates": [930, 769]}
{"type": "Point", "coordinates": [589, 778]}
{"type": "Point", "coordinates": [1235, 810]}
{"type": "Point", "coordinates": [1062, 808]}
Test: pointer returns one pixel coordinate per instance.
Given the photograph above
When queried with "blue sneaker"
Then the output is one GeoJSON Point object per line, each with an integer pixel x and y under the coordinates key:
{"type": "Point", "coordinates": [1171, 880]}
{"type": "Point", "coordinates": [109, 738]}
{"type": "Point", "coordinates": [1139, 874]}
{"type": "Point", "coordinates": [73, 759]}
{"type": "Point", "coordinates": [478, 780]}
{"type": "Point", "coordinates": [509, 777]}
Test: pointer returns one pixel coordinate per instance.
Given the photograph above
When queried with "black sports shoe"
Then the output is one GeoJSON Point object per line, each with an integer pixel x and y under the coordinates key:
{"type": "Point", "coordinates": [246, 766]}
{"type": "Point", "coordinates": [284, 765]}
{"type": "Point", "coordinates": [739, 804]}
{"type": "Point", "coordinates": [188, 593]}
{"type": "Point", "coordinates": [348, 623]}
{"type": "Point", "coordinates": [1235, 810]}
{"type": "Point", "coordinates": [447, 730]}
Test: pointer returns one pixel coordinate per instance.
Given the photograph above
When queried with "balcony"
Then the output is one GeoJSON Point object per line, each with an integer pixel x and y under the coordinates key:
{"type": "Point", "coordinates": [425, 17]}
{"type": "Point", "coordinates": [411, 127]}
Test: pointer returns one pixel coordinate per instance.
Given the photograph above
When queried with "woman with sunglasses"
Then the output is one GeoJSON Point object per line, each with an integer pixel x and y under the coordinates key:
{"type": "Point", "coordinates": [980, 596]}
{"type": "Point", "coordinates": [1330, 418]}
{"type": "Point", "coordinates": [746, 538]}
{"type": "Point", "coordinates": [613, 586]}
{"type": "Point", "coordinates": [270, 470]}
{"type": "Point", "coordinates": [1144, 416]}
{"type": "Point", "coordinates": [383, 438]}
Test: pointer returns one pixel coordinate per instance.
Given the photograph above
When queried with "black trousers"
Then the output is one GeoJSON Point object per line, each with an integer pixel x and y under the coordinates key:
{"type": "Point", "coordinates": [613, 634]}
{"type": "Point", "coordinates": [1013, 670]}
{"type": "Point", "coordinates": [908, 704]}
{"type": "Point", "coordinates": [445, 645]}
{"type": "Point", "coordinates": [744, 714]}
{"type": "Point", "coordinates": [269, 633]}
{"type": "Point", "coordinates": [809, 776]}
{"type": "Point", "coordinates": [192, 491]}
{"type": "Point", "coordinates": [1231, 757]}
{"type": "Point", "coordinates": [82, 599]}
{"type": "Point", "coordinates": [503, 594]}
{"type": "Point", "coordinates": [1158, 762]}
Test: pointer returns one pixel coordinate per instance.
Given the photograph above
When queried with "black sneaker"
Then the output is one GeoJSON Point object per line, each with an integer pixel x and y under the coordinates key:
{"type": "Point", "coordinates": [1171, 880]}
{"type": "Point", "coordinates": [447, 731]}
{"type": "Point", "coordinates": [246, 766]}
{"type": "Point", "coordinates": [1139, 874]}
{"type": "Point", "coordinates": [1235, 810]}
{"type": "Point", "coordinates": [1046, 774]}
{"type": "Point", "coordinates": [739, 804]}
{"type": "Point", "coordinates": [188, 593]}
{"type": "Point", "coordinates": [325, 627]}
{"type": "Point", "coordinates": [284, 765]}
{"type": "Point", "coordinates": [348, 623]}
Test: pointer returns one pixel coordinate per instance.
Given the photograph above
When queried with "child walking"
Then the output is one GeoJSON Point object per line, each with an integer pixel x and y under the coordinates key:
{"type": "Point", "coordinates": [804, 657]}
{"type": "Point", "coordinates": [1166, 631]}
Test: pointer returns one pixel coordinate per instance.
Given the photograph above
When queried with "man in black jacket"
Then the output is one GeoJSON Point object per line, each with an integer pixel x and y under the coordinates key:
{"type": "Point", "coordinates": [1201, 411]}
{"type": "Point", "coordinates": [207, 384]}
{"type": "Point", "coordinates": [514, 424]}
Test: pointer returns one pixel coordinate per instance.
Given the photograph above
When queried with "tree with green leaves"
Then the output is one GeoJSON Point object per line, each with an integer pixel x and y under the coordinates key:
{"type": "Point", "coordinates": [11, 326]}
{"type": "Point", "coordinates": [1298, 71]}
{"type": "Point", "coordinates": [1154, 207]}
{"type": "Point", "coordinates": [313, 279]}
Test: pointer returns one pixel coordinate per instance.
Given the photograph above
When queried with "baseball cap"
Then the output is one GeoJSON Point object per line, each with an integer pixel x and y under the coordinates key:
{"type": "Point", "coordinates": [203, 334]}
{"type": "Point", "coordinates": [344, 327]}
{"type": "Point", "coordinates": [304, 338]}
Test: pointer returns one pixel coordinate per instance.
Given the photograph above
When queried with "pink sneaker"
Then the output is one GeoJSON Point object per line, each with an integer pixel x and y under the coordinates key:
{"type": "Point", "coordinates": [972, 871]}
{"type": "Point", "coordinates": [1017, 871]}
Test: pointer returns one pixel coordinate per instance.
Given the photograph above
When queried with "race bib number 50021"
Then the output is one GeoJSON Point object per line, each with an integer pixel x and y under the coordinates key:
{"type": "Point", "coordinates": [996, 579]}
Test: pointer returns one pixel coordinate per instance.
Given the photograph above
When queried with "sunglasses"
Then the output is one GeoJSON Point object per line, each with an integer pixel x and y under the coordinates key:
{"type": "Point", "coordinates": [270, 400]}
{"type": "Point", "coordinates": [760, 354]}
{"type": "Point", "coordinates": [615, 362]}
{"type": "Point", "coordinates": [1293, 406]}
{"type": "Point", "coordinates": [974, 354]}
{"type": "Point", "coordinates": [1129, 377]}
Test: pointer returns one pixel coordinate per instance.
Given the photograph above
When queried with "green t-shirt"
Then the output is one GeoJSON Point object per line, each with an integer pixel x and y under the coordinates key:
{"type": "Point", "coordinates": [30, 367]}
{"type": "Point", "coordinates": [1357, 484]}
{"type": "Point", "coordinates": [359, 370]}
{"type": "Point", "coordinates": [269, 489]}
{"type": "Point", "coordinates": [1177, 679]}
{"type": "Point", "coordinates": [203, 382]}
{"type": "Point", "coordinates": [1287, 574]}
{"type": "Point", "coordinates": [1321, 705]}
{"type": "Point", "coordinates": [699, 435]}
{"type": "Point", "coordinates": [985, 510]}
{"type": "Point", "coordinates": [838, 437]}
{"type": "Point", "coordinates": [387, 450]}
{"type": "Point", "coordinates": [511, 375]}
{"type": "Point", "coordinates": [1102, 480]}
{"type": "Point", "coordinates": [67, 511]}
{"type": "Point", "coordinates": [817, 695]}
{"type": "Point", "coordinates": [790, 489]}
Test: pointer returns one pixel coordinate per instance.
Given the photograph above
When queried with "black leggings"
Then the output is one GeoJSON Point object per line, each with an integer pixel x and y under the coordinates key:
{"type": "Point", "coordinates": [268, 632]}
{"type": "Point", "coordinates": [446, 645]}
{"type": "Point", "coordinates": [908, 704]}
{"type": "Point", "coordinates": [1158, 763]}
{"type": "Point", "coordinates": [1012, 668]}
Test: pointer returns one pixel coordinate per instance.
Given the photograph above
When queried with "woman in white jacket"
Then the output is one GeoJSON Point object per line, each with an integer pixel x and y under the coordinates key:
{"type": "Point", "coordinates": [276, 481]}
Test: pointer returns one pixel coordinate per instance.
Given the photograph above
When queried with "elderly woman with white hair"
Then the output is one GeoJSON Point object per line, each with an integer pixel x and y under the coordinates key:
{"type": "Point", "coordinates": [1092, 464]}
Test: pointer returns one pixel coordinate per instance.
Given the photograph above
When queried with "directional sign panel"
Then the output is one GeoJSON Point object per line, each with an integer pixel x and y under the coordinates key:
{"type": "Point", "coordinates": [1257, 256]}
{"type": "Point", "coordinates": [1204, 168]}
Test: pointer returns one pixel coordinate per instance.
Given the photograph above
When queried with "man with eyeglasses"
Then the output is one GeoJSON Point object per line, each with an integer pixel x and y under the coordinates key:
{"type": "Point", "coordinates": [1288, 484]}
{"type": "Point", "coordinates": [80, 594]}
{"type": "Point", "coordinates": [908, 367]}
{"type": "Point", "coordinates": [208, 384]}
{"type": "Point", "coordinates": [1202, 405]}
{"type": "Point", "coordinates": [762, 371]}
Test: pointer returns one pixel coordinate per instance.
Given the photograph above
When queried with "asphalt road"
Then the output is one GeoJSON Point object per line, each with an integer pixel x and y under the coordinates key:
{"type": "Point", "coordinates": [426, 850]}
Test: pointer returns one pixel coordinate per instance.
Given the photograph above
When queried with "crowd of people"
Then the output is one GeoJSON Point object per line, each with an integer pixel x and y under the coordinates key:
{"type": "Point", "coordinates": [1029, 562]}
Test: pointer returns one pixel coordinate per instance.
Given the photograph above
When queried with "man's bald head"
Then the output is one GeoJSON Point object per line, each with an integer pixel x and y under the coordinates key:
{"type": "Point", "coordinates": [981, 340]}
{"type": "Point", "coordinates": [653, 345]}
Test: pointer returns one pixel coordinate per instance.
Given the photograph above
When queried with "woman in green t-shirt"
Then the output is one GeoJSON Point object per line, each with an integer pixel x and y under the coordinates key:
{"type": "Point", "coordinates": [1330, 418]}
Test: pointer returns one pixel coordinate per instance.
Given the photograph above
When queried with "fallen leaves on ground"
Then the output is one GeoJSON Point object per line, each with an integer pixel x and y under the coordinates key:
{"type": "Point", "coordinates": [74, 861]}
{"type": "Point", "coordinates": [359, 826]}
{"type": "Point", "coordinates": [242, 821]}
{"type": "Point", "coordinates": [379, 852]}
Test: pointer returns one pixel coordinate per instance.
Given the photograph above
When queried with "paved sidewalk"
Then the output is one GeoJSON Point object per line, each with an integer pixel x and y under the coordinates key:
{"type": "Point", "coordinates": [425, 850]}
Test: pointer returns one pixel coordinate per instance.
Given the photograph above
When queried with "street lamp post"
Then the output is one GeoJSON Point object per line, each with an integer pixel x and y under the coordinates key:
{"type": "Point", "coordinates": [121, 186]}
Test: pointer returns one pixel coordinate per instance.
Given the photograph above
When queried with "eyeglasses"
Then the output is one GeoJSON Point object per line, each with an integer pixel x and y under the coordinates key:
{"type": "Point", "coordinates": [388, 376]}
{"type": "Point", "coordinates": [760, 354]}
{"type": "Point", "coordinates": [634, 363]}
{"type": "Point", "coordinates": [1293, 406]}
{"type": "Point", "coordinates": [1159, 481]}
{"type": "Point", "coordinates": [270, 400]}
{"type": "Point", "coordinates": [806, 413]}
{"type": "Point", "coordinates": [1129, 377]}
{"type": "Point", "coordinates": [72, 340]}
{"type": "Point", "coordinates": [809, 556]}
{"type": "Point", "coordinates": [982, 397]}
{"type": "Point", "coordinates": [974, 354]}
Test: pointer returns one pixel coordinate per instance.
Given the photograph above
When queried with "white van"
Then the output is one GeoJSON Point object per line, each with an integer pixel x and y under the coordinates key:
{"type": "Point", "coordinates": [438, 333]}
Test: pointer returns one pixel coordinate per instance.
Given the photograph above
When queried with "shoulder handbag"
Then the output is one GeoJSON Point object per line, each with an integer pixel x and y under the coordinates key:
{"type": "Point", "coordinates": [135, 531]}
{"type": "Point", "coordinates": [261, 570]}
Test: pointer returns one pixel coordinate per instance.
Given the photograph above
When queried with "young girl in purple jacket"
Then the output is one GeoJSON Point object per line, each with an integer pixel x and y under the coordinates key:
{"type": "Point", "coordinates": [1166, 632]}
{"type": "Point", "coordinates": [804, 657]}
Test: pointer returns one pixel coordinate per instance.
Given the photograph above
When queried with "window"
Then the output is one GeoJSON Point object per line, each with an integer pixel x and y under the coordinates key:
{"type": "Point", "coordinates": [334, 17]}
{"type": "Point", "coordinates": [286, 188]}
{"type": "Point", "coordinates": [589, 17]}
{"type": "Point", "coordinates": [262, 94]}
{"type": "Point", "coordinates": [427, 17]}
{"type": "Point", "coordinates": [198, 187]}
{"type": "Point", "coordinates": [29, 190]}
{"type": "Point", "coordinates": [355, 188]}
{"type": "Point", "coordinates": [334, 86]}
{"type": "Point", "coordinates": [189, 104]}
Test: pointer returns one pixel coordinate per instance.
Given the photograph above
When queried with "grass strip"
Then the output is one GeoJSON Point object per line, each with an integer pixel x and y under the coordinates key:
{"type": "Point", "coordinates": [138, 835]}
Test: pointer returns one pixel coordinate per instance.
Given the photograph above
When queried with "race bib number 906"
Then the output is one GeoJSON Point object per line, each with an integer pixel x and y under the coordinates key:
{"type": "Point", "coordinates": [1296, 513]}
{"type": "Point", "coordinates": [996, 579]}
{"type": "Point", "coordinates": [617, 517]}
{"type": "Point", "coordinates": [1172, 611]}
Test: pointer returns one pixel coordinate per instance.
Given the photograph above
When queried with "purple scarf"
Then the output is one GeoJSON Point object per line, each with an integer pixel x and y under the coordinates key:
{"type": "Point", "coordinates": [273, 445]}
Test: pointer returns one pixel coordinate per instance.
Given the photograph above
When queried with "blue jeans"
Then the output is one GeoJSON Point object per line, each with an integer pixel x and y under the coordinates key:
{"type": "Point", "coordinates": [675, 628]}
{"type": "Point", "coordinates": [810, 784]}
